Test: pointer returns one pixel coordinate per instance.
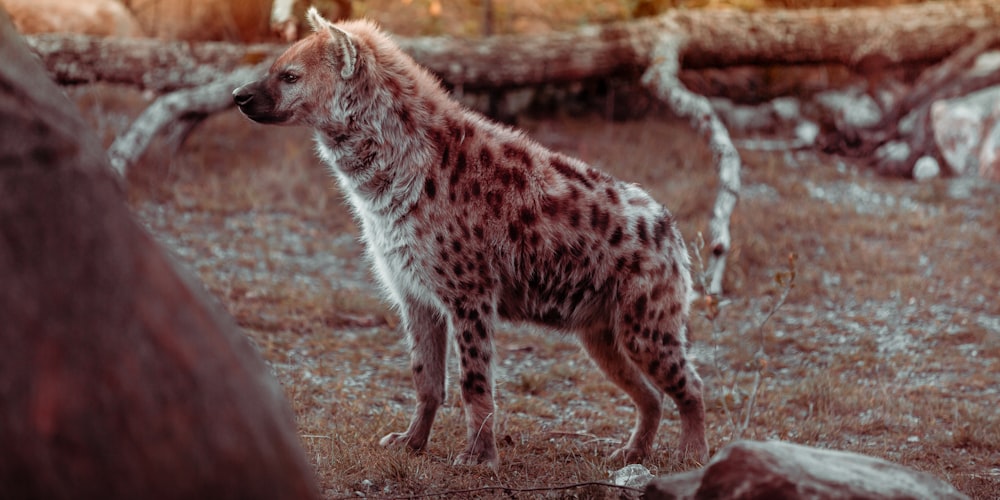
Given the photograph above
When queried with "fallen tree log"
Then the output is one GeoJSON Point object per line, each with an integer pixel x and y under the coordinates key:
{"type": "Point", "coordinates": [862, 37]}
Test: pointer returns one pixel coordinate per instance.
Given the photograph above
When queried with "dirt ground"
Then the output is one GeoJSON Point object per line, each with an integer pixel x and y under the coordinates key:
{"type": "Point", "coordinates": [888, 343]}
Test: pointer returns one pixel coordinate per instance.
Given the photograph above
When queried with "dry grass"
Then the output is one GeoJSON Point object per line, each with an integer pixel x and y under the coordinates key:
{"type": "Point", "coordinates": [888, 345]}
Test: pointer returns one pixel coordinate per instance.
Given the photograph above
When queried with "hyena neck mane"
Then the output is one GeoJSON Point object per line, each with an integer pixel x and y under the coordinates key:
{"type": "Point", "coordinates": [379, 137]}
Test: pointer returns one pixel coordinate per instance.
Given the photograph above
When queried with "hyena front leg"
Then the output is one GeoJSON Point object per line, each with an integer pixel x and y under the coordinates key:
{"type": "Point", "coordinates": [474, 334]}
{"type": "Point", "coordinates": [428, 334]}
{"type": "Point", "coordinates": [601, 344]}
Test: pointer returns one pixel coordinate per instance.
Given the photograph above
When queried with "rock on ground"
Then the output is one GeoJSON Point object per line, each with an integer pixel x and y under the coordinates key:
{"type": "Point", "coordinates": [775, 469]}
{"type": "Point", "coordinates": [964, 129]}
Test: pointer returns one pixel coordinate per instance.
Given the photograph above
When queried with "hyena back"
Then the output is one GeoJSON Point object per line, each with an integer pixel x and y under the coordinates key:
{"type": "Point", "coordinates": [467, 222]}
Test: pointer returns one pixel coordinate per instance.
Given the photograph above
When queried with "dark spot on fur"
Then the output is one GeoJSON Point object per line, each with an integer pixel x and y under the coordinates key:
{"type": "Point", "coordinates": [636, 264]}
{"type": "Point", "coordinates": [430, 188]}
{"type": "Point", "coordinates": [494, 200]}
{"type": "Point", "coordinates": [528, 216]}
{"type": "Point", "coordinates": [473, 352]}
{"type": "Point", "coordinates": [485, 157]}
{"type": "Point", "coordinates": [669, 340]}
{"type": "Point", "coordinates": [480, 329]}
{"type": "Point", "coordinates": [640, 306]}
{"type": "Point", "coordinates": [457, 269]}
{"type": "Point", "coordinates": [599, 218]}
{"type": "Point", "coordinates": [640, 227]}
{"type": "Point", "coordinates": [653, 366]}
{"type": "Point", "coordinates": [612, 195]}
{"type": "Point", "coordinates": [620, 263]}
{"type": "Point", "coordinates": [577, 297]}
{"type": "Point", "coordinates": [679, 386]}
{"type": "Point", "coordinates": [513, 232]}
{"type": "Point", "coordinates": [467, 336]}
{"type": "Point", "coordinates": [418, 368]}
{"type": "Point", "coordinates": [406, 119]}
{"type": "Point", "coordinates": [478, 231]}
{"type": "Point", "coordinates": [660, 230]}
{"type": "Point", "coordinates": [517, 154]}
{"type": "Point", "coordinates": [574, 218]}
{"type": "Point", "coordinates": [616, 237]}
{"type": "Point", "coordinates": [569, 172]}
{"type": "Point", "coordinates": [475, 189]}
{"type": "Point", "coordinates": [551, 205]}
{"type": "Point", "coordinates": [632, 346]}
{"type": "Point", "coordinates": [456, 246]}
{"type": "Point", "coordinates": [460, 165]}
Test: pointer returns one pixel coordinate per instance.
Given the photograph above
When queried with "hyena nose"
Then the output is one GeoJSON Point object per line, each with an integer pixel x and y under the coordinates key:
{"type": "Point", "coordinates": [242, 96]}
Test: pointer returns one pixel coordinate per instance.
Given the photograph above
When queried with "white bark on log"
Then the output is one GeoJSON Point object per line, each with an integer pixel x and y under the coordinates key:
{"type": "Point", "coordinates": [170, 109]}
{"type": "Point", "coordinates": [662, 79]}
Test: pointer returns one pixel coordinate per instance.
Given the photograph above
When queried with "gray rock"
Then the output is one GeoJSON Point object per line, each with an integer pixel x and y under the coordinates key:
{"type": "Point", "coordinates": [926, 168]}
{"type": "Point", "coordinates": [775, 469]}
{"type": "Point", "coordinates": [960, 125]}
{"type": "Point", "coordinates": [632, 475]}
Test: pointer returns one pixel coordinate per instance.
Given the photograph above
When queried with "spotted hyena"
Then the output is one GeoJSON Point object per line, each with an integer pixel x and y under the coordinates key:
{"type": "Point", "coordinates": [467, 222]}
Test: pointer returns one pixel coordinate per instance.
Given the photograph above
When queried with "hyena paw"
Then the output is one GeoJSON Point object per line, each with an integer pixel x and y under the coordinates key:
{"type": "Point", "coordinates": [629, 455]}
{"type": "Point", "coordinates": [694, 449]}
{"type": "Point", "coordinates": [399, 440]}
{"type": "Point", "coordinates": [486, 456]}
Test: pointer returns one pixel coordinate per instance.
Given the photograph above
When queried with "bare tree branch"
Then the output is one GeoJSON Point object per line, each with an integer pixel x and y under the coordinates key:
{"type": "Point", "coordinates": [662, 79]}
{"type": "Point", "coordinates": [176, 109]}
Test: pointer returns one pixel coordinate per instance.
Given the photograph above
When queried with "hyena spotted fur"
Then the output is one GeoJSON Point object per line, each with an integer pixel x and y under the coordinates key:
{"type": "Point", "coordinates": [467, 222]}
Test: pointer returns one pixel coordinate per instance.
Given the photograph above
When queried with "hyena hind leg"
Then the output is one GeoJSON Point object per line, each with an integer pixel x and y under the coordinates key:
{"type": "Point", "coordinates": [607, 354]}
{"type": "Point", "coordinates": [661, 355]}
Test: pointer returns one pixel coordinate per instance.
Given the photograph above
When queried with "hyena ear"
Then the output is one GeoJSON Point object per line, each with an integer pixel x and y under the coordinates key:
{"type": "Point", "coordinates": [344, 48]}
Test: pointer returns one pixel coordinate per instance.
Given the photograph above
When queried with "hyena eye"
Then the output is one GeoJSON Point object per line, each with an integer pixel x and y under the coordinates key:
{"type": "Point", "coordinates": [288, 78]}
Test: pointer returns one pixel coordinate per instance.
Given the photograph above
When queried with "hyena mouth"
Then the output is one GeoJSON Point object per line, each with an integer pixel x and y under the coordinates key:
{"type": "Point", "coordinates": [258, 106]}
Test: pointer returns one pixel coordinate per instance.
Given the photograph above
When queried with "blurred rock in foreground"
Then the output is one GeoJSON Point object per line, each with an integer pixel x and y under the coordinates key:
{"type": "Point", "coordinates": [117, 379]}
{"type": "Point", "coordinates": [774, 469]}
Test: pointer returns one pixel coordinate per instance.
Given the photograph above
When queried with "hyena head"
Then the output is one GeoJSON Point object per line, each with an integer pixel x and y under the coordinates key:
{"type": "Point", "coordinates": [305, 81]}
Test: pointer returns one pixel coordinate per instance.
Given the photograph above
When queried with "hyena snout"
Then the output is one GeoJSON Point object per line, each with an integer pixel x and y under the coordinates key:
{"type": "Point", "coordinates": [257, 104]}
{"type": "Point", "coordinates": [242, 95]}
